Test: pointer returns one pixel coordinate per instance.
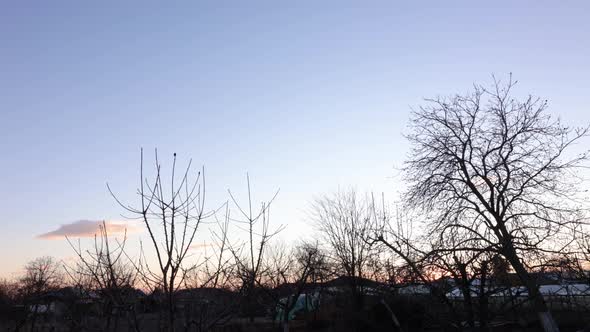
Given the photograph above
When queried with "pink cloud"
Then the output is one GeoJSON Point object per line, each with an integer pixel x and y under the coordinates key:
{"type": "Point", "coordinates": [87, 228]}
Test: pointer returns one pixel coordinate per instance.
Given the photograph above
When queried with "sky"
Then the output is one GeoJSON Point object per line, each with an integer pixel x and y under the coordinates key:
{"type": "Point", "coordinates": [307, 97]}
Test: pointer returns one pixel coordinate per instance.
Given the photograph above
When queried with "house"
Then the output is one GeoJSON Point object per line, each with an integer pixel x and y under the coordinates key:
{"type": "Point", "coordinates": [58, 302]}
{"type": "Point", "coordinates": [413, 289]}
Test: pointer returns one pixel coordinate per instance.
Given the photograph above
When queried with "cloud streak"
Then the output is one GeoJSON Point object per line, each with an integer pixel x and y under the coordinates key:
{"type": "Point", "coordinates": [200, 246]}
{"type": "Point", "coordinates": [87, 228]}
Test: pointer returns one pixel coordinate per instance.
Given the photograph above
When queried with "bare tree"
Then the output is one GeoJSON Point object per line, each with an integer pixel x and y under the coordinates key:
{"type": "Point", "coordinates": [107, 271]}
{"type": "Point", "coordinates": [279, 265]}
{"type": "Point", "coordinates": [345, 222]}
{"type": "Point", "coordinates": [172, 216]}
{"type": "Point", "coordinates": [421, 259]}
{"type": "Point", "coordinates": [8, 299]}
{"type": "Point", "coordinates": [42, 274]}
{"type": "Point", "coordinates": [216, 268]}
{"type": "Point", "coordinates": [296, 268]}
{"type": "Point", "coordinates": [214, 274]}
{"type": "Point", "coordinates": [468, 271]}
{"type": "Point", "coordinates": [8, 292]}
{"type": "Point", "coordinates": [499, 169]}
{"type": "Point", "coordinates": [249, 257]}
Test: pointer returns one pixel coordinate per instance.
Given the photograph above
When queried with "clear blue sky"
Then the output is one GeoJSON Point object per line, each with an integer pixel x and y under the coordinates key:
{"type": "Point", "coordinates": [306, 97]}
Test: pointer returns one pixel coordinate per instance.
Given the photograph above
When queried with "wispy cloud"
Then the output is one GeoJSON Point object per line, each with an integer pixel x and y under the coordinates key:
{"type": "Point", "coordinates": [200, 246]}
{"type": "Point", "coordinates": [87, 228]}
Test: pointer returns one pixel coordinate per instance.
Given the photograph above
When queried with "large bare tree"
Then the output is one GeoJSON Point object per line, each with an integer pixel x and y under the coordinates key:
{"type": "Point", "coordinates": [501, 169]}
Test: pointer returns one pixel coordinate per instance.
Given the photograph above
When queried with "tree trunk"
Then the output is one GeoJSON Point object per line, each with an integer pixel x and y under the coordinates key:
{"type": "Point", "coordinates": [171, 313]}
{"type": "Point", "coordinates": [547, 321]}
{"type": "Point", "coordinates": [540, 306]}
{"type": "Point", "coordinates": [483, 311]}
{"type": "Point", "coordinates": [36, 306]}
{"type": "Point", "coordinates": [465, 285]}
{"type": "Point", "coordinates": [394, 319]}
{"type": "Point", "coordinates": [483, 300]}
{"type": "Point", "coordinates": [468, 303]}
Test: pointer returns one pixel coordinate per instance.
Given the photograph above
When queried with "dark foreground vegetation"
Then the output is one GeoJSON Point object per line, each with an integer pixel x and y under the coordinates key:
{"type": "Point", "coordinates": [491, 234]}
{"type": "Point", "coordinates": [331, 305]}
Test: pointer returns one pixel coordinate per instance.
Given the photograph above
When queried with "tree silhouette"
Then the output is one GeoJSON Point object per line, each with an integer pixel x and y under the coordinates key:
{"type": "Point", "coordinates": [499, 169]}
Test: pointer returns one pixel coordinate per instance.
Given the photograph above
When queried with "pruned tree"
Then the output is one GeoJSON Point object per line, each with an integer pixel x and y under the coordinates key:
{"type": "Point", "coordinates": [215, 273]}
{"type": "Point", "coordinates": [215, 268]}
{"type": "Point", "coordinates": [172, 213]}
{"type": "Point", "coordinates": [249, 256]}
{"type": "Point", "coordinates": [500, 169]}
